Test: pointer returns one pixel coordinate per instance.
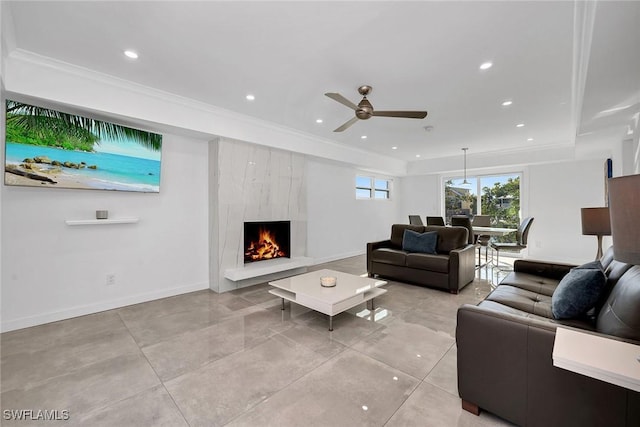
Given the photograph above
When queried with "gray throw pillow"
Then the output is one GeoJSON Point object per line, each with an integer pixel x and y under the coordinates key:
{"type": "Point", "coordinates": [420, 242]}
{"type": "Point", "coordinates": [578, 291]}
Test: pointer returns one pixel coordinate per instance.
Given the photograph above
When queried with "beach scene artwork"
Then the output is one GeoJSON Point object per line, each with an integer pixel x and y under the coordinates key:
{"type": "Point", "coordinates": [47, 148]}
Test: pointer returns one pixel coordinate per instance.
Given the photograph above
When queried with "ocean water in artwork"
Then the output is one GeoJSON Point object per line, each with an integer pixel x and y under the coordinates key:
{"type": "Point", "coordinates": [112, 171]}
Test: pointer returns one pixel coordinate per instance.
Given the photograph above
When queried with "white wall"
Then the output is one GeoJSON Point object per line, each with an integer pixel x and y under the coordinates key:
{"type": "Point", "coordinates": [53, 271]}
{"type": "Point", "coordinates": [556, 194]}
{"type": "Point", "coordinates": [420, 195]}
{"type": "Point", "coordinates": [339, 225]}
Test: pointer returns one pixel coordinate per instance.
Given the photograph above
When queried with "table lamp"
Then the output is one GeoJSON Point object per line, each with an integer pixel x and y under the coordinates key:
{"type": "Point", "coordinates": [595, 222]}
{"type": "Point", "coordinates": [624, 204]}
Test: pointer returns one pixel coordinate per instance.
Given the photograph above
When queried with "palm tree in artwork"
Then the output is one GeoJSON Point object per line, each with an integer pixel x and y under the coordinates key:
{"type": "Point", "coordinates": [44, 121]}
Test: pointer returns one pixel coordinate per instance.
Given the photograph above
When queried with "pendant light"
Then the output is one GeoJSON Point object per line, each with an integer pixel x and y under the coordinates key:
{"type": "Point", "coordinates": [465, 182]}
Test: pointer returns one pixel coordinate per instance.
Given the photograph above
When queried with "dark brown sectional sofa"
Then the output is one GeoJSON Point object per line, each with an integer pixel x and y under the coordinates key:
{"type": "Point", "coordinates": [505, 346]}
{"type": "Point", "coordinates": [451, 268]}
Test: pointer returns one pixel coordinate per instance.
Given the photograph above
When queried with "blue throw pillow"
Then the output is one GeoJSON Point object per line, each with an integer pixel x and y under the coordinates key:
{"type": "Point", "coordinates": [578, 291]}
{"type": "Point", "coordinates": [420, 242]}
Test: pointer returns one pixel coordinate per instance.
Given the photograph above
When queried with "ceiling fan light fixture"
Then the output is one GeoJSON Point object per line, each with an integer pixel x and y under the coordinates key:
{"type": "Point", "coordinates": [364, 110]}
{"type": "Point", "coordinates": [520, 125]}
{"type": "Point", "coordinates": [250, 97]}
{"type": "Point", "coordinates": [318, 120]}
{"type": "Point", "coordinates": [486, 65]}
{"type": "Point", "coordinates": [507, 103]}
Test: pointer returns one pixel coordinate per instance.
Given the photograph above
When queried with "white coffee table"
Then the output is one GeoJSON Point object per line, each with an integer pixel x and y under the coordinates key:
{"type": "Point", "coordinates": [305, 290]}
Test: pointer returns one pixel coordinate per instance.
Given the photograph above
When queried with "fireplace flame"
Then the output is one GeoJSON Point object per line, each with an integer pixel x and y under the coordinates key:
{"type": "Point", "coordinates": [266, 247]}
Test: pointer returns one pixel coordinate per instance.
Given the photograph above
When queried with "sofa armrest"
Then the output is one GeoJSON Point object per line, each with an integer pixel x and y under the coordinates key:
{"type": "Point", "coordinates": [551, 270]}
{"type": "Point", "coordinates": [462, 267]}
{"type": "Point", "coordinates": [371, 246]}
{"type": "Point", "coordinates": [505, 366]}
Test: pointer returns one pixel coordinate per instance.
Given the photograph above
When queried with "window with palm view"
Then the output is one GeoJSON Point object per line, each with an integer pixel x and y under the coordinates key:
{"type": "Point", "coordinates": [495, 195]}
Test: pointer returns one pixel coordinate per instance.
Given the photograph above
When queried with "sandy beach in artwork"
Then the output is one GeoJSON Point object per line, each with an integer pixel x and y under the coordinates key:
{"type": "Point", "coordinates": [64, 179]}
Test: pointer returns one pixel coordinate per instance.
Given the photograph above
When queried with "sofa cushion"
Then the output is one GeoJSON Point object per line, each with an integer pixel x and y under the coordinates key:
{"type": "Point", "coordinates": [420, 242]}
{"type": "Point", "coordinates": [397, 233]}
{"type": "Point", "coordinates": [389, 256]}
{"type": "Point", "coordinates": [449, 238]}
{"type": "Point", "coordinates": [578, 292]}
{"type": "Point", "coordinates": [620, 315]}
{"type": "Point", "coordinates": [523, 300]}
{"type": "Point", "coordinates": [436, 263]}
{"type": "Point", "coordinates": [503, 309]}
{"type": "Point", "coordinates": [531, 282]}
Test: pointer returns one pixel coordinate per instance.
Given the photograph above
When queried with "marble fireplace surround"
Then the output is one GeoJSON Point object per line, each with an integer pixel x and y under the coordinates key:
{"type": "Point", "coordinates": [249, 182]}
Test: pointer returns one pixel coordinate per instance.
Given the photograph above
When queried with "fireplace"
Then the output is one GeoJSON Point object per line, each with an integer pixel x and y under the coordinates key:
{"type": "Point", "coordinates": [266, 240]}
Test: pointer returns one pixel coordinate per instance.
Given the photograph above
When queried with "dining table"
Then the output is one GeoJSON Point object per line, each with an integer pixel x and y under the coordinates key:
{"type": "Point", "coordinates": [492, 231]}
{"type": "Point", "coordinates": [489, 231]}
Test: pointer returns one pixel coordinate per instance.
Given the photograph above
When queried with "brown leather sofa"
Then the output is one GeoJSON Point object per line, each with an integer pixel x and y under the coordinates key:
{"type": "Point", "coordinates": [452, 268]}
{"type": "Point", "coordinates": [505, 346]}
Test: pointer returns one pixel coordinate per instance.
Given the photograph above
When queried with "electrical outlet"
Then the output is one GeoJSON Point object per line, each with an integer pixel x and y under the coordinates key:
{"type": "Point", "coordinates": [111, 279]}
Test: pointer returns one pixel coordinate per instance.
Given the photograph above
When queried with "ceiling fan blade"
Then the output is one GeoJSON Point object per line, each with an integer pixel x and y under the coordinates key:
{"type": "Point", "coordinates": [405, 114]}
{"type": "Point", "coordinates": [347, 124]}
{"type": "Point", "coordinates": [342, 100]}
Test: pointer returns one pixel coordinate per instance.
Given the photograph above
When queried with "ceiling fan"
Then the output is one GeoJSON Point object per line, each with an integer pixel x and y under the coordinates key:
{"type": "Point", "coordinates": [364, 110]}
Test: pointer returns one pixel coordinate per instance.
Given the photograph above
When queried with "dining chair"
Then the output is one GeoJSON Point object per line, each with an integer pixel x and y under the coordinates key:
{"type": "Point", "coordinates": [463, 221]}
{"type": "Point", "coordinates": [435, 220]}
{"type": "Point", "coordinates": [415, 220]}
{"type": "Point", "coordinates": [521, 240]}
{"type": "Point", "coordinates": [482, 240]}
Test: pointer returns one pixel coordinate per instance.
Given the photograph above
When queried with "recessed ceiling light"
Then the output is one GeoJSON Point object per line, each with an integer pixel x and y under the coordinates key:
{"type": "Point", "coordinates": [363, 137]}
{"type": "Point", "coordinates": [417, 155]}
{"type": "Point", "coordinates": [318, 120]}
{"type": "Point", "coordinates": [394, 148]}
{"type": "Point", "coordinates": [131, 54]}
{"type": "Point", "coordinates": [507, 103]}
{"type": "Point", "coordinates": [529, 139]}
{"type": "Point", "coordinates": [250, 97]}
{"type": "Point", "coordinates": [486, 65]}
{"type": "Point", "coordinates": [520, 125]}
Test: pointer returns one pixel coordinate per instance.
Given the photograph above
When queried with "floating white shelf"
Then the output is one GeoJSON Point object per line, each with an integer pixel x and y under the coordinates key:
{"type": "Point", "coordinates": [263, 268]}
{"type": "Point", "coordinates": [131, 220]}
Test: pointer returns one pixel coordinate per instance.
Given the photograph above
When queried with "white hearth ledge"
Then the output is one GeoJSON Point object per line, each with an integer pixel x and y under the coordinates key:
{"type": "Point", "coordinates": [263, 268]}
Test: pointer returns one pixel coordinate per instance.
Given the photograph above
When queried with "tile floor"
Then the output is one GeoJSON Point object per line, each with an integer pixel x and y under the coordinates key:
{"type": "Point", "coordinates": [236, 359]}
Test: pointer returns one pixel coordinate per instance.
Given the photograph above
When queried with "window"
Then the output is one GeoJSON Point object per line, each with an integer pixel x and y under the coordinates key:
{"type": "Point", "coordinates": [495, 195]}
{"type": "Point", "coordinates": [372, 188]}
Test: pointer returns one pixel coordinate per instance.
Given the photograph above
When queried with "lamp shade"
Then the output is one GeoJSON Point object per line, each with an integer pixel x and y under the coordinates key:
{"type": "Point", "coordinates": [595, 221]}
{"type": "Point", "coordinates": [624, 206]}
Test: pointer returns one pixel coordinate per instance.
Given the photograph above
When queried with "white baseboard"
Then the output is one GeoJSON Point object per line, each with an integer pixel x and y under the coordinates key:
{"type": "Point", "coordinates": [337, 257]}
{"type": "Point", "coordinates": [68, 313]}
